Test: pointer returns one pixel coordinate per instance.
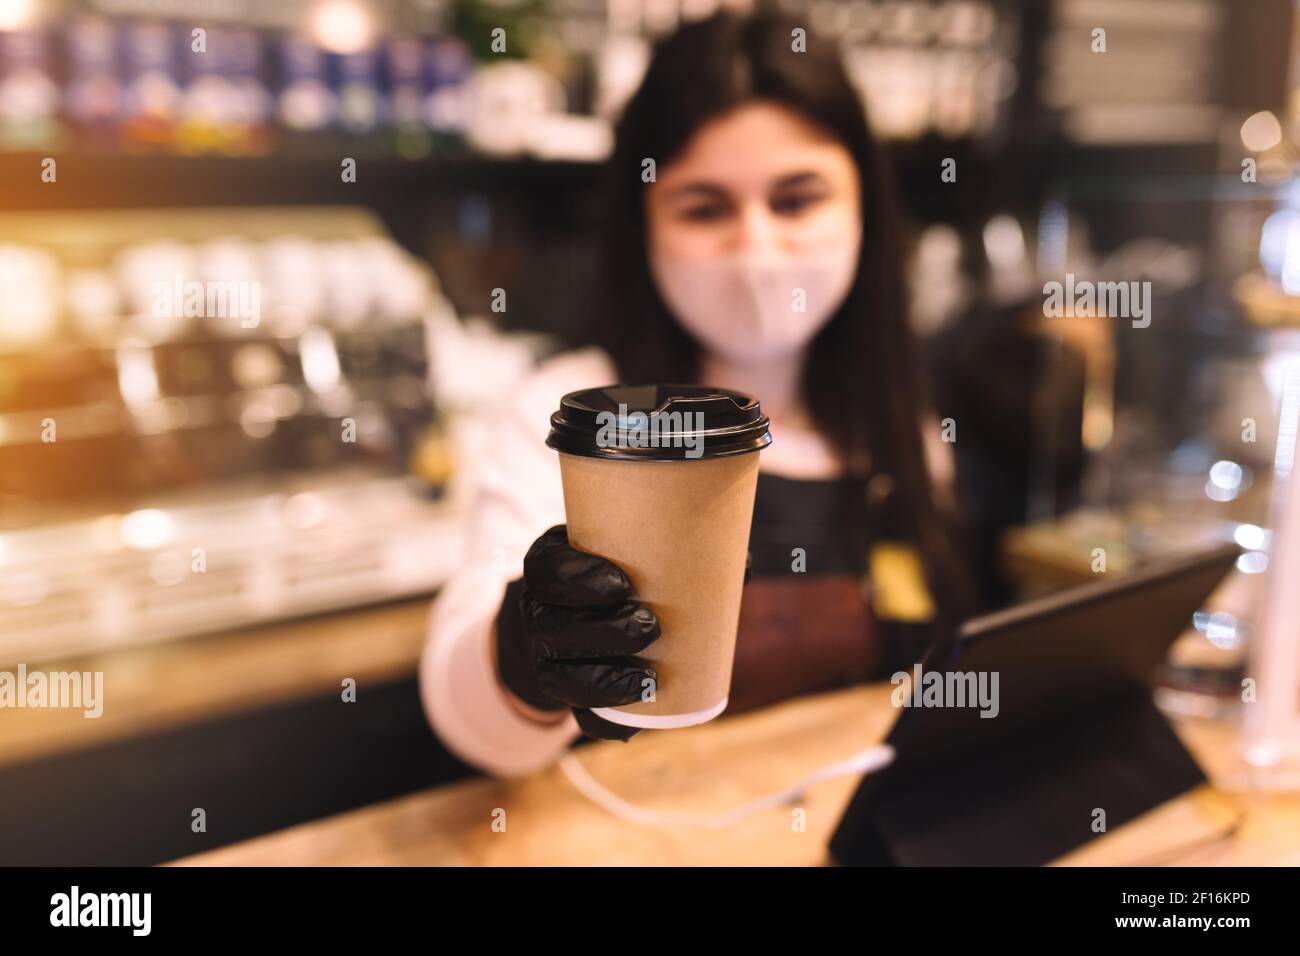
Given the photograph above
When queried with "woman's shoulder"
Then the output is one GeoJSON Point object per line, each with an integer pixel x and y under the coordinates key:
{"type": "Point", "coordinates": [588, 367]}
{"type": "Point", "coordinates": [538, 393]}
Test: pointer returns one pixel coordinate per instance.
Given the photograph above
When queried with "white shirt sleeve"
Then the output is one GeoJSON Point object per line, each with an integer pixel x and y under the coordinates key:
{"type": "Point", "coordinates": [518, 496]}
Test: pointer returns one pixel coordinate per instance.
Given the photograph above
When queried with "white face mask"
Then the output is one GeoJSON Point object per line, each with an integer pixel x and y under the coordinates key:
{"type": "Point", "coordinates": [757, 306]}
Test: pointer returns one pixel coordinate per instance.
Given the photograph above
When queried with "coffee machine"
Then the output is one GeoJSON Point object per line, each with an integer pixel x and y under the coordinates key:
{"type": "Point", "coordinates": [211, 418]}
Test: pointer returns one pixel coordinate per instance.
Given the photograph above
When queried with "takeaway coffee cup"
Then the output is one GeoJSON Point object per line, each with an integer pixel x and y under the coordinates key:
{"type": "Point", "coordinates": [660, 479]}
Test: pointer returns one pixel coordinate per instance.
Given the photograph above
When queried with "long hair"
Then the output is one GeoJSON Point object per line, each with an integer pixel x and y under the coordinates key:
{"type": "Point", "coordinates": [862, 378]}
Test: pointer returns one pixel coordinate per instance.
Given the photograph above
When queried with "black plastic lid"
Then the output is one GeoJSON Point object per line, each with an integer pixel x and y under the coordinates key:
{"type": "Point", "coordinates": [658, 423]}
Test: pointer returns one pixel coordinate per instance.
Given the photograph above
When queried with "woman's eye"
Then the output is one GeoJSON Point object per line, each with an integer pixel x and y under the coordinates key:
{"type": "Point", "coordinates": [794, 204]}
{"type": "Point", "coordinates": [704, 213]}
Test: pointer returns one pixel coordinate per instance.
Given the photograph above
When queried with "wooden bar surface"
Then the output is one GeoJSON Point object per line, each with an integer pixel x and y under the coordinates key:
{"type": "Point", "coordinates": [154, 687]}
{"type": "Point", "coordinates": [714, 767]}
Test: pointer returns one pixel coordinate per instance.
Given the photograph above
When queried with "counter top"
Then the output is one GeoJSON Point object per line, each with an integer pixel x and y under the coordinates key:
{"type": "Point", "coordinates": [153, 687]}
{"type": "Point", "coordinates": [714, 767]}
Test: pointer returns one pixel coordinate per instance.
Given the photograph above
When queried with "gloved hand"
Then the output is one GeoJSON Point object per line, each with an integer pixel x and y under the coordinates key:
{"type": "Point", "coordinates": [568, 633]}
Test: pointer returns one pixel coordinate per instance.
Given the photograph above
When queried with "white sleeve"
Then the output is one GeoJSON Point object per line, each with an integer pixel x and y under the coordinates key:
{"type": "Point", "coordinates": [518, 496]}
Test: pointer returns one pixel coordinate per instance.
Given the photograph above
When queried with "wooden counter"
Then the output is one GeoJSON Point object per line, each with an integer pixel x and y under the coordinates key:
{"type": "Point", "coordinates": [152, 687]}
{"type": "Point", "coordinates": [249, 725]}
{"type": "Point", "coordinates": [714, 767]}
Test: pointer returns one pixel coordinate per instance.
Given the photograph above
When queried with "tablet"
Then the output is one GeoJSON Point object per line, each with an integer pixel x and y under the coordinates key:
{"type": "Point", "coordinates": [1057, 653]}
{"type": "Point", "coordinates": [1012, 736]}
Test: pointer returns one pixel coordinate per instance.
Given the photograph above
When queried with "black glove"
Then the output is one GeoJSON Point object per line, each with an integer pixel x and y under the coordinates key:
{"type": "Point", "coordinates": [567, 633]}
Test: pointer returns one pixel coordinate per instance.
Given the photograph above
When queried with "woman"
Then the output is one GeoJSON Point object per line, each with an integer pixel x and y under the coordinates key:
{"type": "Point", "coordinates": [744, 184]}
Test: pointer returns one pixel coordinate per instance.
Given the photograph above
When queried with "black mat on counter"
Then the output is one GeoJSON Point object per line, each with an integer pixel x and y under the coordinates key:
{"type": "Point", "coordinates": [131, 802]}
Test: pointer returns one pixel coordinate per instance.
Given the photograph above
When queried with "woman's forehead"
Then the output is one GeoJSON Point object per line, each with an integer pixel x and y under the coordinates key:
{"type": "Point", "coordinates": [754, 147]}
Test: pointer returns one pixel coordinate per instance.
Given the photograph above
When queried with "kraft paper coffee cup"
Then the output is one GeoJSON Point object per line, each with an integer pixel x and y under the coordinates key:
{"type": "Point", "coordinates": [660, 479]}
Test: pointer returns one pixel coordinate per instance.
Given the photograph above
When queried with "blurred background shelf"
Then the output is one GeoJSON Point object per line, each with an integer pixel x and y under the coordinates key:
{"type": "Point", "coordinates": [112, 180]}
